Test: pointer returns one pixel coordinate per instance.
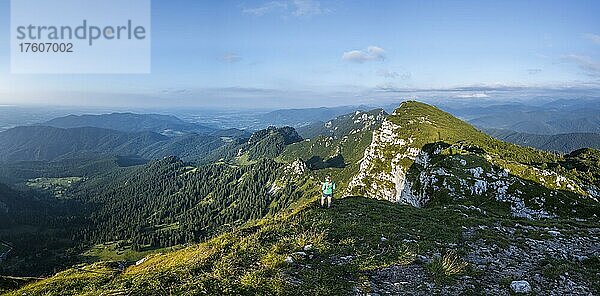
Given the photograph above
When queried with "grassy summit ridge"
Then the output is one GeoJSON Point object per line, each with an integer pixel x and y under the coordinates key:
{"type": "Point", "coordinates": [421, 154]}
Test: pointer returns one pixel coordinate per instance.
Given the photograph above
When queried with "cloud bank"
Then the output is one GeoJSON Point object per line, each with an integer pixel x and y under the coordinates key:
{"type": "Point", "coordinates": [371, 53]}
{"type": "Point", "coordinates": [473, 96]}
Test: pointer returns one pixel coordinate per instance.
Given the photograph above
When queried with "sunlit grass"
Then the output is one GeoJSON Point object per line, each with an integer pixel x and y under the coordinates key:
{"type": "Point", "coordinates": [445, 267]}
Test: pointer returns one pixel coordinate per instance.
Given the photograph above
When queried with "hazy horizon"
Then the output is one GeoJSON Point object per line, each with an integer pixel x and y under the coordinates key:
{"type": "Point", "coordinates": [309, 53]}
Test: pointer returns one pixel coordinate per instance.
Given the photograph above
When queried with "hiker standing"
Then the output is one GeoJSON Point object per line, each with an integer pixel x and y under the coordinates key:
{"type": "Point", "coordinates": [328, 188]}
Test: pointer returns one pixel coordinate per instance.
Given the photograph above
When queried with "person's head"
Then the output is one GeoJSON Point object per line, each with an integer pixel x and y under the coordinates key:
{"type": "Point", "coordinates": [328, 178]}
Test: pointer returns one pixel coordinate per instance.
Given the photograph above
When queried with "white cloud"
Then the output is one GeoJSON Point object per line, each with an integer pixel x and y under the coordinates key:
{"type": "Point", "coordinates": [585, 63]}
{"type": "Point", "coordinates": [297, 8]}
{"type": "Point", "coordinates": [372, 53]}
{"type": "Point", "coordinates": [473, 96]}
{"type": "Point", "coordinates": [265, 8]}
{"type": "Point", "coordinates": [231, 58]}
{"type": "Point", "coordinates": [307, 7]}
{"type": "Point", "coordinates": [592, 37]}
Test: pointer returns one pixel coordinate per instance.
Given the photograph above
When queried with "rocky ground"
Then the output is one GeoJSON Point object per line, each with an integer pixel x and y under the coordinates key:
{"type": "Point", "coordinates": [522, 259]}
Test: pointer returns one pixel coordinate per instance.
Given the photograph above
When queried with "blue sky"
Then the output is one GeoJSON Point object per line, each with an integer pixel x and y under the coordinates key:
{"type": "Point", "coordinates": [310, 53]}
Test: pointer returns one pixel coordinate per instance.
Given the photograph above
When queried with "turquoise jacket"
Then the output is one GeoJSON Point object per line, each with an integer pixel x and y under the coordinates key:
{"type": "Point", "coordinates": [328, 187]}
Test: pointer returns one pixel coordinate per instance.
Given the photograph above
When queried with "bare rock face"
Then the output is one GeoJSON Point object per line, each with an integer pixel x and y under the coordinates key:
{"type": "Point", "coordinates": [383, 175]}
{"type": "Point", "coordinates": [297, 167]}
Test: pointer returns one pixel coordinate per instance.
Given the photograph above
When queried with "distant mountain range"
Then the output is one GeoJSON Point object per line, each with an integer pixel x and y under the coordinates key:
{"type": "Point", "coordinates": [149, 136]}
{"type": "Point", "coordinates": [539, 116]}
{"type": "Point", "coordinates": [130, 122]}
{"type": "Point", "coordinates": [46, 143]}
{"type": "Point", "coordinates": [305, 116]}
{"type": "Point", "coordinates": [562, 125]}
{"type": "Point", "coordinates": [556, 117]}
{"type": "Point", "coordinates": [50, 143]}
{"type": "Point", "coordinates": [565, 143]}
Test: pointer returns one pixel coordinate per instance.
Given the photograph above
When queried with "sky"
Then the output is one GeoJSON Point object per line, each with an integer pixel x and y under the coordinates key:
{"type": "Point", "coordinates": [301, 53]}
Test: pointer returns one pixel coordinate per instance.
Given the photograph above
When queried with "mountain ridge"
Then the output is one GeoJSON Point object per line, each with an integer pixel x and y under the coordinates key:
{"type": "Point", "coordinates": [44, 143]}
{"type": "Point", "coordinates": [343, 125]}
{"type": "Point", "coordinates": [428, 200]}
{"type": "Point", "coordinates": [129, 122]}
{"type": "Point", "coordinates": [421, 153]}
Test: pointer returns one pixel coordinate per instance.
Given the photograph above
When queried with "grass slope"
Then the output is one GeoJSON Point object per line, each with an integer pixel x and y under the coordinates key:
{"type": "Point", "coordinates": [252, 260]}
{"type": "Point", "coordinates": [312, 251]}
{"type": "Point", "coordinates": [428, 124]}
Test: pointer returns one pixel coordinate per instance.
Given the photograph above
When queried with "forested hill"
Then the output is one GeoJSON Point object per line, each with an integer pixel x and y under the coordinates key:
{"type": "Point", "coordinates": [130, 122]}
{"type": "Point", "coordinates": [44, 143]}
{"type": "Point", "coordinates": [30, 207]}
{"type": "Point", "coordinates": [167, 203]}
{"type": "Point", "coordinates": [38, 228]}
{"type": "Point", "coordinates": [49, 143]}
{"type": "Point", "coordinates": [550, 120]}
{"type": "Point", "coordinates": [144, 208]}
{"type": "Point", "coordinates": [267, 143]}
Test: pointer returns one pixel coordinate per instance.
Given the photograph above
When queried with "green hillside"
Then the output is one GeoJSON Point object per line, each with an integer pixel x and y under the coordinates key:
{"type": "Point", "coordinates": [336, 147]}
{"type": "Point", "coordinates": [168, 203]}
{"type": "Point", "coordinates": [83, 166]}
{"type": "Point", "coordinates": [427, 205]}
{"type": "Point", "coordinates": [159, 201]}
{"type": "Point", "coordinates": [422, 154]}
{"type": "Point", "coordinates": [252, 260]}
{"type": "Point", "coordinates": [267, 143]}
{"type": "Point", "coordinates": [334, 252]}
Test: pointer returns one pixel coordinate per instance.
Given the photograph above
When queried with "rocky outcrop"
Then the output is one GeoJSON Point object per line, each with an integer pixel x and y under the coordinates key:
{"type": "Point", "coordinates": [297, 167]}
{"type": "Point", "coordinates": [384, 167]}
{"type": "Point", "coordinates": [419, 153]}
{"type": "Point", "coordinates": [520, 286]}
